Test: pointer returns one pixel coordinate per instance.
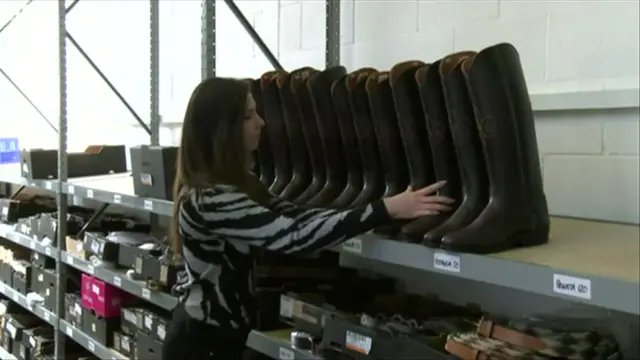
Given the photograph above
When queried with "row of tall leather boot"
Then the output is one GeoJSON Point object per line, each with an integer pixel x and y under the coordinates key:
{"type": "Point", "coordinates": [336, 139]}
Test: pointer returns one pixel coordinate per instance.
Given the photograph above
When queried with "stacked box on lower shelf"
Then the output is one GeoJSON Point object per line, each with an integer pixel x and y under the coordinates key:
{"type": "Point", "coordinates": [142, 333]}
{"type": "Point", "coordinates": [24, 335]}
{"type": "Point", "coordinates": [101, 304]}
{"type": "Point", "coordinates": [43, 283]}
{"type": "Point", "coordinates": [15, 268]}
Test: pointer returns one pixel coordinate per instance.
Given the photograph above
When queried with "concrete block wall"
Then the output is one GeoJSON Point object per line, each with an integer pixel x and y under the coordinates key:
{"type": "Point", "coordinates": [589, 158]}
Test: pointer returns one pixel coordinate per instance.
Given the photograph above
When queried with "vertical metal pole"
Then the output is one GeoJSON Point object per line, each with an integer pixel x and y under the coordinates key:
{"type": "Point", "coordinates": [208, 59]}
{"type": "Point", "coordinates": [154, 115]}
{"type": "Point", "coordinates": [332, 32]}
{"type": "Point", "coordinates": [61, 275]}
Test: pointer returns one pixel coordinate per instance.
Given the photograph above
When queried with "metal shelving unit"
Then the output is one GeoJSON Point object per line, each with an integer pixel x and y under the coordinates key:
{"type": "Point", "coordinates": [118, 189]}
{"type": "Point", "coordinates": [605, 289]}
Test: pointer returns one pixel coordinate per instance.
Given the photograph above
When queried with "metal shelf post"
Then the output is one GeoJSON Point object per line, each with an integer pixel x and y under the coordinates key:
{"type": "Point", "coordinates": [61, 275]}
{"type": "Point", "coordinates": [332, 35]}
{"type": "Point", "coordinates": [154, 63]}
{"type": "Point", "coordinates": [208, 44]}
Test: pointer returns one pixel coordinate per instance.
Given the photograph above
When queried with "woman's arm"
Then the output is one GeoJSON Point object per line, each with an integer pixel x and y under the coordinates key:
{"type": "Point", "coordinates": [287, 208]}
{"type": "Point", "coordinates": [233, 216]}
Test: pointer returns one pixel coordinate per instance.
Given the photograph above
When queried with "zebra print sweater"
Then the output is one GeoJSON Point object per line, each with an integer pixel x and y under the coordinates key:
{"type": "Point", "coordinates": [217, 228]}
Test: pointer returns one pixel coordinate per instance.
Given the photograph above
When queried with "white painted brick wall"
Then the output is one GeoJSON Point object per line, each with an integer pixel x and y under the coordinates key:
{"type": "Point", "coordinates": [590, 159]}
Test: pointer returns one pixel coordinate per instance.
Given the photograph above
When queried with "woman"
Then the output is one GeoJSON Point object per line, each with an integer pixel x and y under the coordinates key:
{"type": "Point", "coordinates": [221, 210]}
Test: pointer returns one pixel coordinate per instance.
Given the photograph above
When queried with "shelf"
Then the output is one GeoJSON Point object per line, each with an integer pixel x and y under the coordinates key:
{"type": "Point", "coordinates": [5, 355]}
{"type": "Point", "coordinates": [276, 345]}
{"type": "Point", "coordinates": [8, 232]}
{"type": "Point", "coordinates": [596, 262]}
{"type": "Point", "coordinates": [110, 189]}
{"type": "Point", "coordinates": [20, 299]}
{"type": "Point", "coordinates": [99, 350]}
{"type": "Point", "coordinates": [116, 189]}
{"type": "Point", "coordinates": [586, 261]}
{"type": "Point", "coordinates": [10, 174]}
{"type": "Point", "coordinates": [113, 276]}
{"type": "Point", "coordinates": [120, 280]}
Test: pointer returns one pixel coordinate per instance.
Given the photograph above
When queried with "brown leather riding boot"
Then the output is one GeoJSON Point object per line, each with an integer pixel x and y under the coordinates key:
{"type": "Point", "coordinates": [300, 160]}
{"type": "Point", "coordinates": [466, 140]}
{"type": "Point", "coordinates": [264, 161]}
{"type": "Point", "coordinates": [415, 139]}
{"type": "Point", "coordinates": [516, 214]}
{"type": "Point", "coordinates": [311, 133]}
{"type": "Point", "coordinates": [355, 177]}
{"type": "Point", "coordinates": [373, 180]}
{"type": "Point", "coordinates": [445, 162]}
{"type": "Point", "coordinates": [336, 165]}
{"type": "Point", "coordinates": [276, 131]}
{"type": "Point", "coordinates": [392, 155]}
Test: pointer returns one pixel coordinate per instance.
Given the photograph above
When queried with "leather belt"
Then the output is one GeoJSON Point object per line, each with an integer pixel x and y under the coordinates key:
{"type": "Point", "coordinates": [472, 346]}
{"type": "Point", "coordinates": [489, 329]}
{"type": "Point", "coordinates": [496, 340]}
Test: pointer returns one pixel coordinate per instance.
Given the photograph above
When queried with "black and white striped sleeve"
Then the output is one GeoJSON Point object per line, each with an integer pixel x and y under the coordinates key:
{"type": "Point", "coordinates": [234, 216]}
{"type": "Point", "coordinates": [287, 208]}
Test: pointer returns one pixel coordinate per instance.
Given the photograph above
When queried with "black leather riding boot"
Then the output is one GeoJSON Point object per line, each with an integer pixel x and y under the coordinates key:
{"type": "Point", "coordinates": [276, 131]}
{"type": "Point", "coordinates": [373, 185]}
{"type": "Point", "coordinates": [411, 123]}
{"type": "Point", "coordinates": [265, 155]}
{"type": "Point", "coordinates": [445, 162]}
{"type": "Point", "coordinates": [299, 153]}
{"type": "Point", "coordinates": [517, 214]}
{"type": "Point", "coordinates": [385, 121]}
{"type": "Point", "coordinates": [311, 133]}
{"type": "Point", "coordinates": [355, 175]}
{"type": "Point", "coordinates": [466, 140]}
{"type": "Point", "coordinates": [413, 129]}
{"type": "Point", "coordinates": [392, 154]}
{"type": "Point", "coordinates": [336, 165]}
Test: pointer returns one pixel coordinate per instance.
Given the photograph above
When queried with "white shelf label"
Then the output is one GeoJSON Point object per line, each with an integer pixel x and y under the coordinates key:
{"type": "Point", "coordinates": [90, 269]}
{"type": "Point", "coordinates": [48, 185]}
{"type": "Point", "coordinates": [32, 245]}
{"type": "Point", "coordinates": [90, 194]}
{"type": "Point", "coordinates": [353, 246]}
{"type": "Point", "coordinates": [117, 281]}
{"type": "Point", "coordinates": [3, 231]}
{"type": "Point", "coordinates": [286, 306]}
{"type": "Point", "coordinates": [15, 295]}
{"type": "Point", "coordinates": [71, 189]}
{"type": "Point", "coordinates": [148, 205]}
{"type": "Point", "coordinates": [46, 316]}
{"type": "Point", "coordinates": [47, 251]}
{"type": "Point", "coordinates": [446, 262]}
{"type": "Point", "coordinates": [117, 198]}
{"type": "Point", "coordinates": [2, 290]}
{"type": "Point", "coordinates": [91, 346]}
{"type": "Point", "coordinates": [69, 259]}
{"type": "Point", "coordinates": [69, 331]}
{"type": "Point", "coordinates": [572, 286]}
{"type": "Point", "coordinates": [285, 354]}
{"type": "Point", "coordinates": [146, 293]}
{"type": "Point", "coordinates": [358, 343]}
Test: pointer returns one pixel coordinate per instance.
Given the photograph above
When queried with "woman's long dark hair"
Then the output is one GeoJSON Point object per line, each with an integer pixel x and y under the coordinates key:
{"type": "Point", "coordinates": [212, 147]}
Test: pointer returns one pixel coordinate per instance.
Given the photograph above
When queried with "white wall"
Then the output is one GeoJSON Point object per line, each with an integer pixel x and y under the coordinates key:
{"type": "Point", "coordinates": [590, 158]}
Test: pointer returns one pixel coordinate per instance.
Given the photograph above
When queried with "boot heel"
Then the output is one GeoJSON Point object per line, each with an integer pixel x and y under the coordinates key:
{"type": "Point", "coordinates": [537, 236]}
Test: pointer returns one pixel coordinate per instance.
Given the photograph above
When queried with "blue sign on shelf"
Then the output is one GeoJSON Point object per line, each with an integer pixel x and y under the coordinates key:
{"type": "Point", "coordinates": [9, 151]}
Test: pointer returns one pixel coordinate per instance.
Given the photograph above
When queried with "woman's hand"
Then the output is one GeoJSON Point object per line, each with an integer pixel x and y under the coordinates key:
{"type": "Point", "coordinates": [412, 204]}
